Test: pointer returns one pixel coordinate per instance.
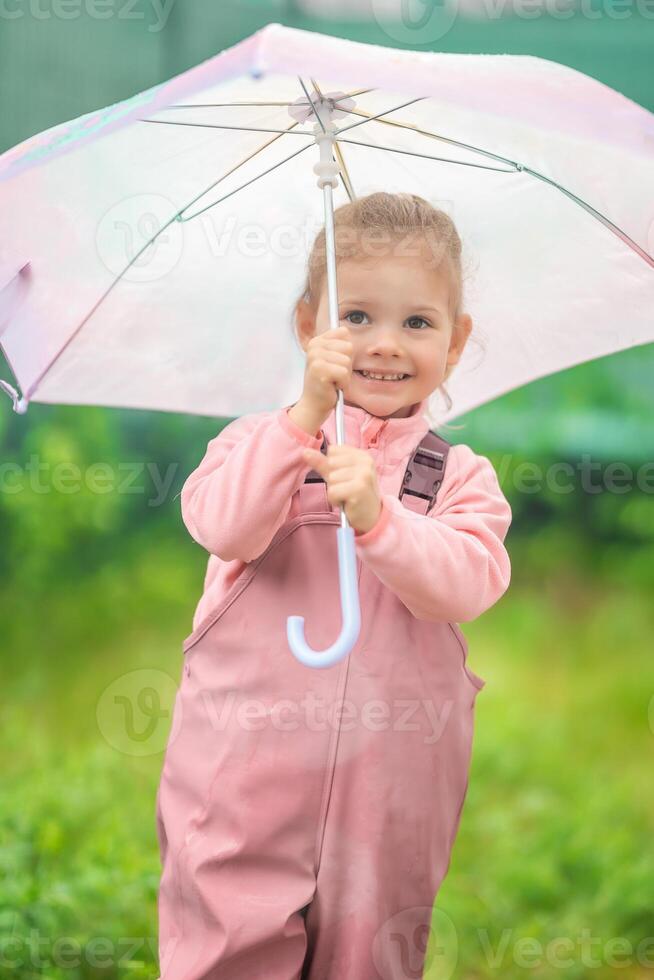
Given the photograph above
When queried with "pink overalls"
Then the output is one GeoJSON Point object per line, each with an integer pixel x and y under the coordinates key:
{"type": "Point", "coordinates": [306, 817]}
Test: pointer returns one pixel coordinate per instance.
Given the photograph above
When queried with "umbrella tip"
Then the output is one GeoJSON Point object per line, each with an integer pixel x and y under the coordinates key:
{"type": "Point", "coordinates": [20, 403]}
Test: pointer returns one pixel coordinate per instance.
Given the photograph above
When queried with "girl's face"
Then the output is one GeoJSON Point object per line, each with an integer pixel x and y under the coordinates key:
{"type": "Point", "coordinates": [396, 309]}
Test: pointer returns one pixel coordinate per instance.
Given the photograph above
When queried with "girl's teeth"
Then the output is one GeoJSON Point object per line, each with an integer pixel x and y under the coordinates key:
{"type": "Point", "coordinates": [386, 377]}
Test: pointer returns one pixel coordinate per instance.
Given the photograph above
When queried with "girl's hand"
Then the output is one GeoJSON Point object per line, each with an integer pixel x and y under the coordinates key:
{"type": "Point", "coordinates": [328, 368]}
{"type": "Point", "coordinates": [351, 480]}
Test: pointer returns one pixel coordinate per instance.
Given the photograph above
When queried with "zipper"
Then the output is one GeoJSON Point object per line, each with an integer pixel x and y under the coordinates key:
{"type": "Point", "coordinates": [375, 439]}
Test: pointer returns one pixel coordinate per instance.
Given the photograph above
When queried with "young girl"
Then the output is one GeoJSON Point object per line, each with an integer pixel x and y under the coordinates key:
{"type": "Point", "coordinates": [306, 816]}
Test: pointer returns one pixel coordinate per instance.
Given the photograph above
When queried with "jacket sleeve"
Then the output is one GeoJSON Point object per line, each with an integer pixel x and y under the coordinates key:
{"type": "Point", "coordinates": [450, 564]}
{"type": "Point", "coordinates": [240, 494]}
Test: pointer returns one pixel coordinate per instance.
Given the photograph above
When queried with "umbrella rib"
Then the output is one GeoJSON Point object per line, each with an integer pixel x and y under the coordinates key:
{"type": "Point", "coordinates": [221, 105]}
{"type": "Point", "coordinates": [317, 87]}
{"type": "Point", "coordinates": [235, 168]}
{"type": "Point", "coordinates": [335, 103]}
{"type": "Point", "coordinates": [247, 129]}
{"type": "Point", "coordinates": [384, 113]}
{"type": "Point", "coordinates": [596, 214]}
{"type": "Point", "coordinates": [236, 189]}
{"type": "Point", "coordinates": [426, 132]}
{"type": "Point", "coordinates": [358, 91]}
{"type": "Point", "coordinates": [429, 156]}
{"type": "Point", "coordinates": [224, 105]}
{"type": "Point", "coordinates": [315, 112]}
{"type": "Point", "coordinates": [345, 176]}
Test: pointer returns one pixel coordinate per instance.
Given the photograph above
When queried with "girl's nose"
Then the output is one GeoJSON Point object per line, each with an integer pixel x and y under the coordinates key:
{"type": "Point", "coordinates": [386, 340]}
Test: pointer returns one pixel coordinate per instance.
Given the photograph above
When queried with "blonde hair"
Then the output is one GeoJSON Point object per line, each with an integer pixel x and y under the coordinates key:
{"type": "Point", "coordinates": [399, 218]}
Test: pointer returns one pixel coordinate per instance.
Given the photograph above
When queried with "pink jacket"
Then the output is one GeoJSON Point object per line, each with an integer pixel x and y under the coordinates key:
{"type": "Point", "coordinates": [449, 565]}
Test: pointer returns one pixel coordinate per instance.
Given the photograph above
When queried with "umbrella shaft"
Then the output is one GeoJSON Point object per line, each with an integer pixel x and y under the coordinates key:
{"type": "Point", "coordinates": [332, 295]}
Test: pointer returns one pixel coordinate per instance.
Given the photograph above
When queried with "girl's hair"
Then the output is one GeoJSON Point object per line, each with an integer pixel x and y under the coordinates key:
{"type": "Point", "coordinates": [399, 220]}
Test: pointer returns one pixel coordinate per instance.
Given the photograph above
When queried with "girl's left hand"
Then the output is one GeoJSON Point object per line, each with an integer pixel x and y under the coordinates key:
{"type": "Point", "coordinates": [351, 480]}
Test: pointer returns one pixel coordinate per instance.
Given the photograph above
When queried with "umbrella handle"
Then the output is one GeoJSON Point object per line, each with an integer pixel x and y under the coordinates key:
{"type": "Point", "coordinates": [350, 611]}
{"type": "Point", "coordinates": [347, 563]}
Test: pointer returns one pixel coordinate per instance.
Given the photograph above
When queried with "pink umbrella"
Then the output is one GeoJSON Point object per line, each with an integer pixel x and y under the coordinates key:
{"type": "Point", "coordinates": [117, 289]}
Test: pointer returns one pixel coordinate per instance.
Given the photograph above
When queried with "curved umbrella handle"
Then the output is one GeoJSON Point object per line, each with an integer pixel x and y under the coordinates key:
{"type": "Point", "coordinates": [350, 611]}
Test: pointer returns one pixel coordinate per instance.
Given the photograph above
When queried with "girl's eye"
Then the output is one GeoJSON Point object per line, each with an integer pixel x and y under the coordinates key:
{"type": "Point", "coordinates": [354, 313]}
{"type": "Point", "coordinates": [361, 314]}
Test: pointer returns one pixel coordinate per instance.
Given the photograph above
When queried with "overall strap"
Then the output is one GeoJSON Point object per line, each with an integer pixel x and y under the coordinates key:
{"type": "Point", "coordinates": [423, 476]}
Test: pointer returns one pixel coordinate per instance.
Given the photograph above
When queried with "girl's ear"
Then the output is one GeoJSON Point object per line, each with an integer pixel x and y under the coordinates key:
{"type": "Point", "coordinates": [460, 333]}
{"type": "Point", "coordinates": [305, 322]}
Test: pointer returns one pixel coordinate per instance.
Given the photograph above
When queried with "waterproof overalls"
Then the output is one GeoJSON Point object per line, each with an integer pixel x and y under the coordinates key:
{"type": "Point", "coordinates": [306, 817]}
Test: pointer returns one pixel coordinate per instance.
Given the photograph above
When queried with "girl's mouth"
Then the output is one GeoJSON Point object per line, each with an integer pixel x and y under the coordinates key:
{"type": "Point", "coordinates": [380, 382]}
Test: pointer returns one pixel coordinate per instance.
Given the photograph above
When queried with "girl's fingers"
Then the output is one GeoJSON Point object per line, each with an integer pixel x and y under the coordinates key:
{"type": "Point", "coordinates": [337, 358]}
{"type": "Point", "coordinates": [338, 347]}
{"type": "Point", "coordinates": [344, 488]}
{"type": "Point", "coordinates": [344, 474]}
{"type": "Point", "coordinates": [313, 456]}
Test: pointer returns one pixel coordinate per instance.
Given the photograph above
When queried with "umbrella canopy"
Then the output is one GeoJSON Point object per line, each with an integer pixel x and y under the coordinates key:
{"type": "Point", "coordinates": [152, 251]}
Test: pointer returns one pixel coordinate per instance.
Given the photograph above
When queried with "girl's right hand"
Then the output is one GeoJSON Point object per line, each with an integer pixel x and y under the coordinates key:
{"type": "Point", "coordinates": [328, 368]}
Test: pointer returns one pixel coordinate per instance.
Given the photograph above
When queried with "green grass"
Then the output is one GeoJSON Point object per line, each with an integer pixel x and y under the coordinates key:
{"type": "Point", "coordinates": [556, 831]}
{"type": "Point", "coordinates": [556, 834]}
